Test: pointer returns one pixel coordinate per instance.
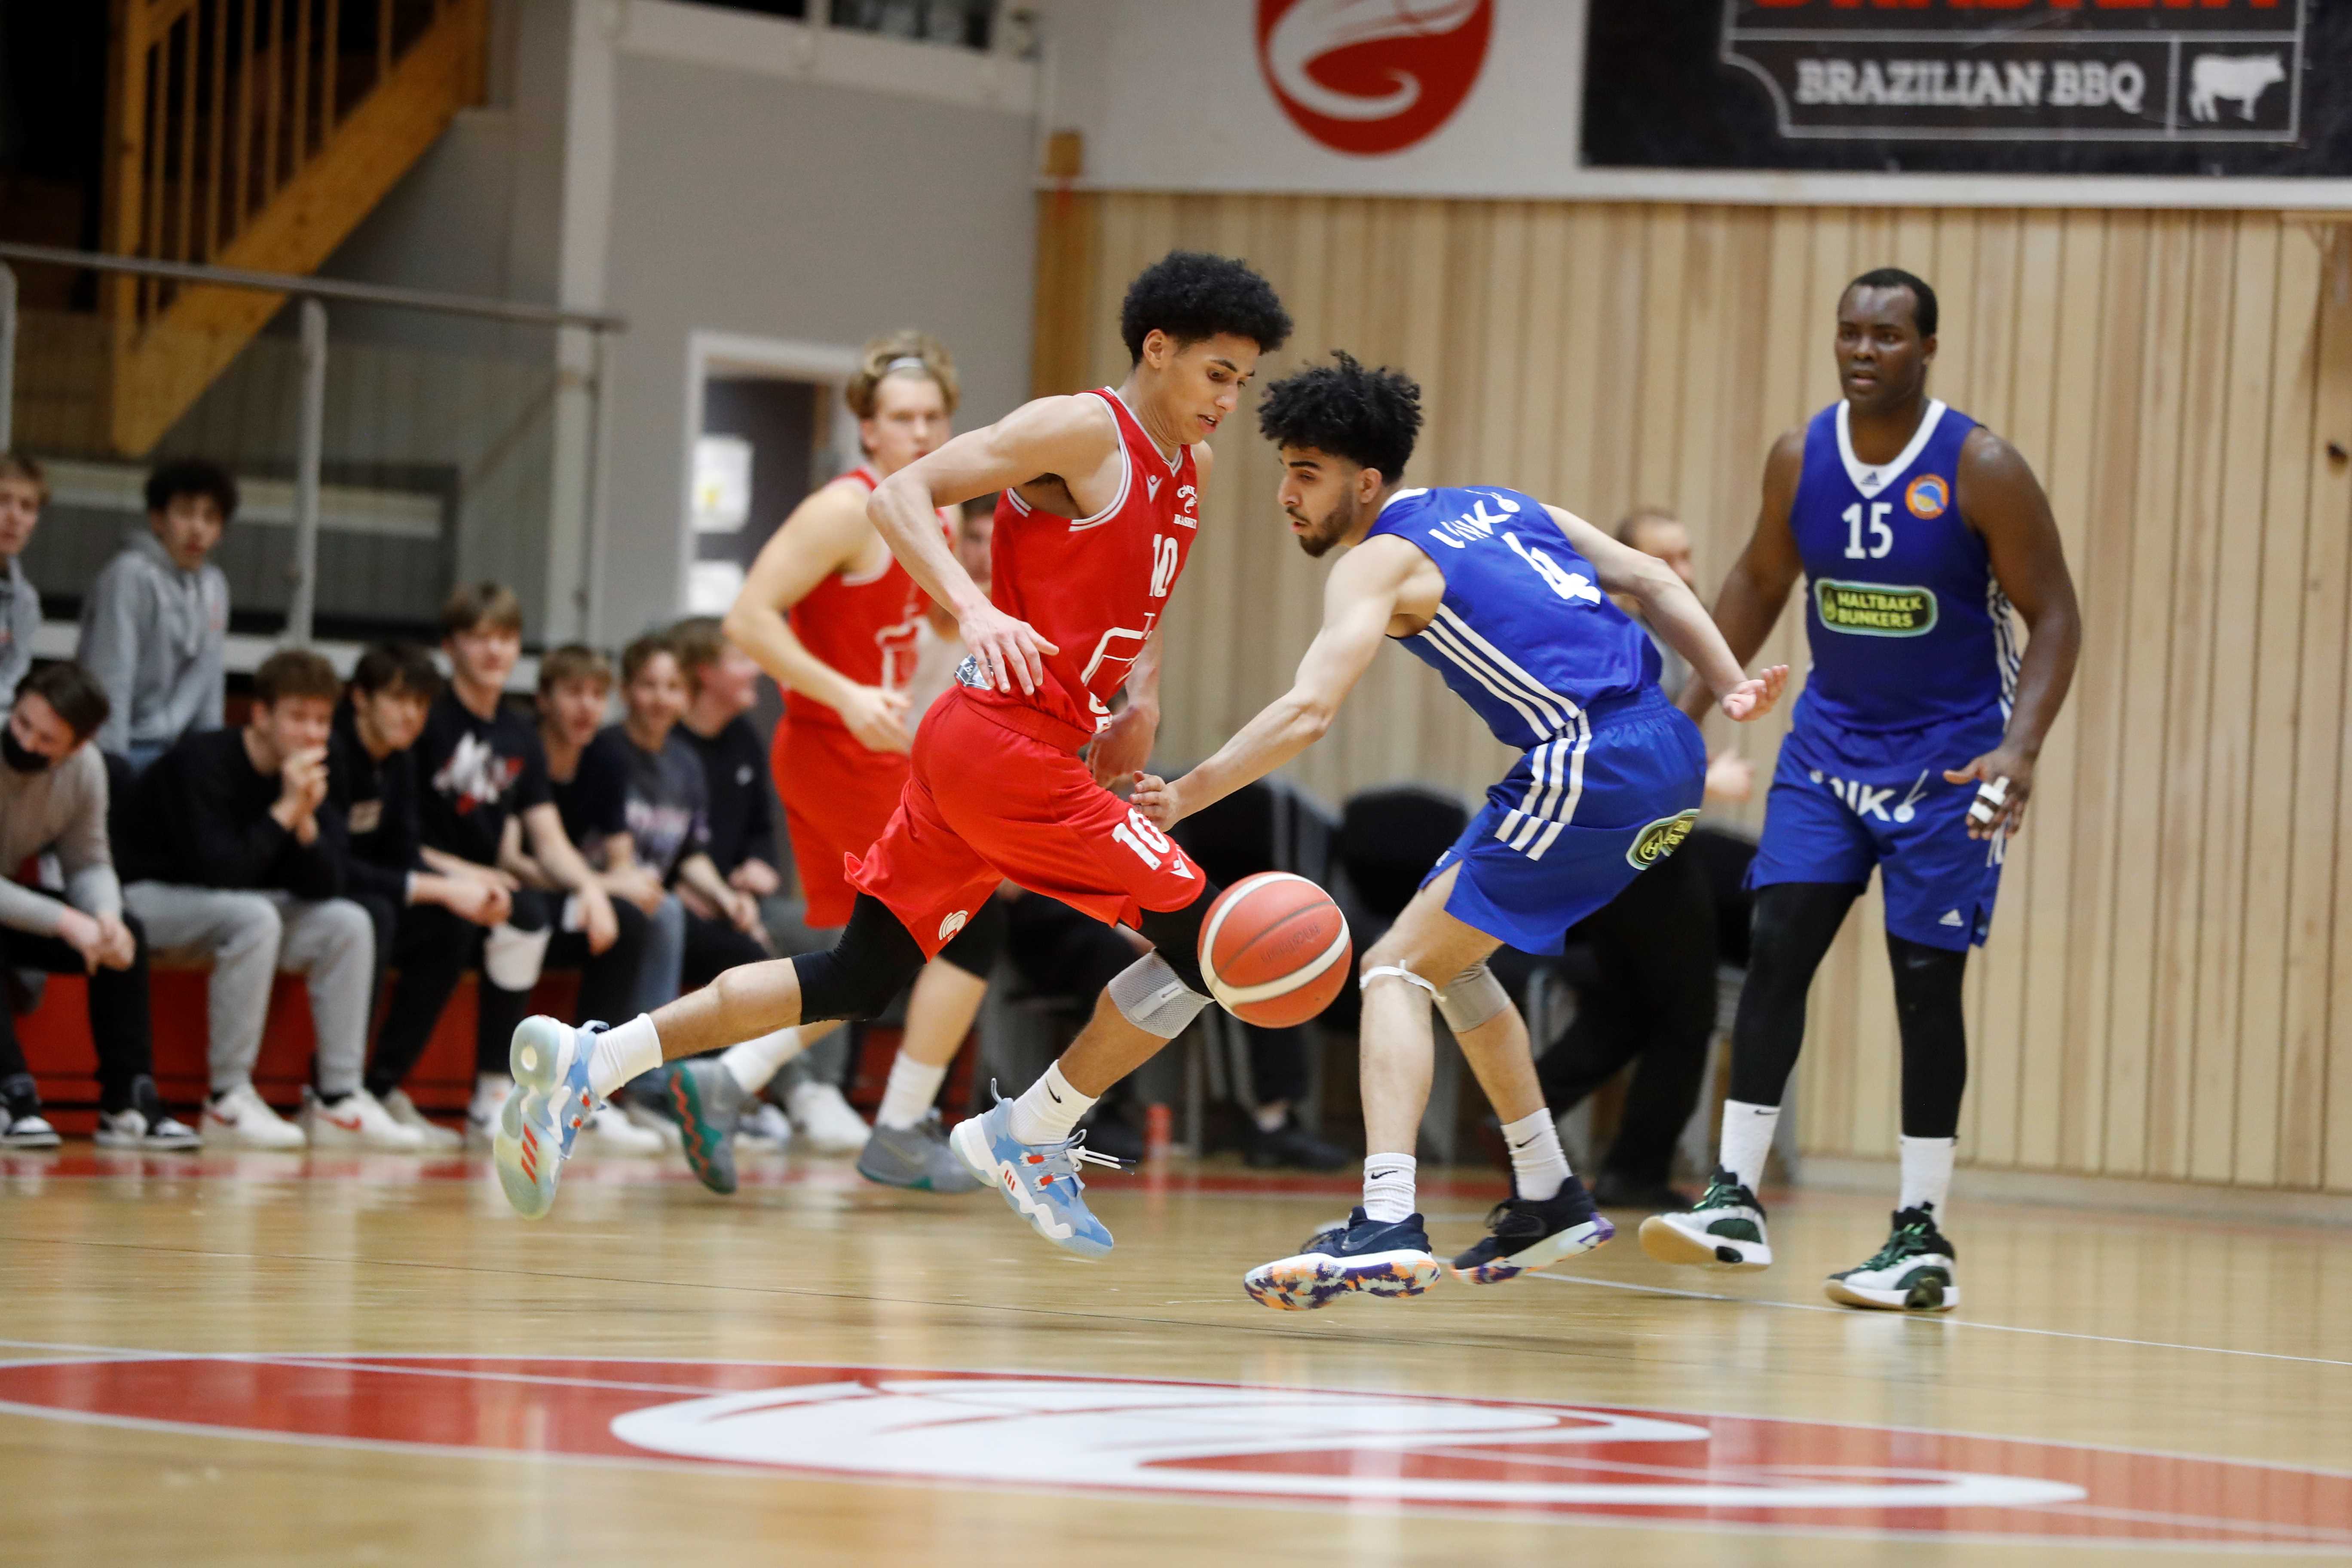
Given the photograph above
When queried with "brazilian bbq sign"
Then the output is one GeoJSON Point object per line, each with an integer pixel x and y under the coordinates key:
{"type": "Point", "coordinates": [2204, 86]}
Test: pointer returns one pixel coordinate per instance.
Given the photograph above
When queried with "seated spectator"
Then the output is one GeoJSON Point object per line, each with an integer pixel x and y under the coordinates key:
{"type": "Point", "coordinates": [53, 802]}
{"type": "Point", "coordinates": [24, 491]}
{"type": "Point", "coordinates": [154, 629]}
{"type": "Point", "coordinates": [232, 853]}
{"type": "Point", "coordinates": [372, 781]}
{"type": "Point", "coordinates": [722, 686]}
{"type": "Point", "coordinates": [484, 789]}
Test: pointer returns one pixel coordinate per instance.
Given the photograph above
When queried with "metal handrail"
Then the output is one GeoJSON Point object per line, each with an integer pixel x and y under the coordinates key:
{"type": "Point", "coordinates": [319, 288]}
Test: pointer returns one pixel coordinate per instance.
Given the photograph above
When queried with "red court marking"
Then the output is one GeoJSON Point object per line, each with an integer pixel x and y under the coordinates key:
{"type": "Point", "coordinates": [1222, 1442]}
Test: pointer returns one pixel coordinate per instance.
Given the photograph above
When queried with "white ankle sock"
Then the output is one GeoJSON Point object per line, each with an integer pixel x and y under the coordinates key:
{"type": "Point", "coordinates": [1747, 1139]}
{"type": "Point", "coordinates": [1049, 1110]}
{"type": "Point", "coordinates": [1388, 1187]}
{"type": "Point", "coordinates": [906, 1098]}
{"type": "Point", "coordinates": [754, 1062]}
{"type": "Point", "coordinates": [1539, 1164]}
{"type": "Point", "coordinates": [1926, 1173]}
{"type": "Point", "coordinates": [622, 1053]}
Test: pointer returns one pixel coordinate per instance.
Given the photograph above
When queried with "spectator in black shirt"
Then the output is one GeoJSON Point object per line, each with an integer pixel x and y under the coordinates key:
{"type": "Point", "coordinates": [483, 790]}
{"type": "Point", "coordinates": [232, 852]}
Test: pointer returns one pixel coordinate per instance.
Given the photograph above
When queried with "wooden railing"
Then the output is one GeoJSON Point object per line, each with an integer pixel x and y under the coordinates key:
{"type": "Point", "coordinates": [256, 133]}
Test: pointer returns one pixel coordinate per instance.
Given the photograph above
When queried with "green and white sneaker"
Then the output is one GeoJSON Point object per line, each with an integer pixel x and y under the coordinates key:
{"type": "Point", "coordinates": [1725, 1230]}
{"type": "Point", "coordinates": [1912, 1273]}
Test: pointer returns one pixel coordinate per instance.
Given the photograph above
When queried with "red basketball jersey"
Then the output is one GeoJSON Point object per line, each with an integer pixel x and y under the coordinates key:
{"type": "Point", "coordinates": [1095, 587]}
{"type": "Point", "coordinates": [863, 626]}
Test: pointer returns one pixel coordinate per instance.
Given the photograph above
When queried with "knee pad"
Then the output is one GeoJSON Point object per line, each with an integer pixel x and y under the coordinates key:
{"type": "Point", "coordinates": [863, 973]}
{"type": "Point", "coordinates": [976, 947]}
{"type": "Point", "coordinates": [1471, 998]}
{"type": "Point", "coordinates": [511, 958]}
{"type": "Point", "coordinates": [1151, 995]}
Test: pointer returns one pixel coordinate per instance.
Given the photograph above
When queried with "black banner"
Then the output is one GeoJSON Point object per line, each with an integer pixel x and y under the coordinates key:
{"type": "Point", "coordinates": [2245, 87]}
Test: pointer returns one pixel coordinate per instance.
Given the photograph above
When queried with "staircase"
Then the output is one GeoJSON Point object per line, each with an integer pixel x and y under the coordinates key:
{"type": "Point", "coordinates": [256, 134]}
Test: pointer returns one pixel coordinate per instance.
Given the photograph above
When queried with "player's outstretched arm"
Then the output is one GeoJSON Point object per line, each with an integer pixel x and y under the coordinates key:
{"type": "Point", "coordinates": [1680, 619]}
{"type": "Point", "coordinates": [1756, 588]}
{"type": "Point", "coordinates": [1072, 437]}
{"type": "Point", "coordinates": [2004, 501]}
{"type": "Point", "coordinates": [826, 534]}
{"type": "Point", "coordinates": [1359, 600]}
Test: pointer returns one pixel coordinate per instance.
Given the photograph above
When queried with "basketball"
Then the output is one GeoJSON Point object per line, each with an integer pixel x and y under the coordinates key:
{"type": "Point", "coordinates": [1274, 949]}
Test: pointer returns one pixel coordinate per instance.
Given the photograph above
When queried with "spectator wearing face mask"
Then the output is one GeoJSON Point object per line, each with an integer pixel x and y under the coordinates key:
{"type": "Point", "coordinates": [154, 629]}
{"type": "Point", "coordinates": [53, 798]}
{"type": "Point", "coordinates": [232, 853]}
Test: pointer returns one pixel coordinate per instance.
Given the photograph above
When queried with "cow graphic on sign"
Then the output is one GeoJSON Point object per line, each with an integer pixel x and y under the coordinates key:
{"type": "Point", "coordinates": [2241, 78]}
{"type": "Point", "coordinates": [1371, 77]}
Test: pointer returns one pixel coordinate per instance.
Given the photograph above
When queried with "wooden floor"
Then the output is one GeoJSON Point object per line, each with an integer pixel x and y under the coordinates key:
{"type": "Point", "coordinates": [253, 1360]}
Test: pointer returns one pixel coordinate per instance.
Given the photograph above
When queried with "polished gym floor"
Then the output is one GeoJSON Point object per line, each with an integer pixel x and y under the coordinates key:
{"type": "Point", "coordinates": [246, 1359]}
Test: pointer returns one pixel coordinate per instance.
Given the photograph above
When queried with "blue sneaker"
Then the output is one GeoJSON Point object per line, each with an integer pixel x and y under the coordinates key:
{"type": "Point", "coordinates": [1039, 1180]}
{"type": "Point", "coordinates": [1377, 1258]}
{"type": "Point", "coordinates": [550, 1062]}
{"type": "Point", "coordinates": [1528, 1233]}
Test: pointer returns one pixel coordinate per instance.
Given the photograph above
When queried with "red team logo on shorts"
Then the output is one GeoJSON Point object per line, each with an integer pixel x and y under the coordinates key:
{"type": "Point", "coordinates": [1928, 496]}
{"type": "Point", "coordinates": [1370, 76]}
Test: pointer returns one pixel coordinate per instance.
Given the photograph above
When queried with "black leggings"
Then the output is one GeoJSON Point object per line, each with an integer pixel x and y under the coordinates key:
{"type": "Point", "coordinates": [1794, 924]}
{"type": "Point", "coordinates": [119, 1019]}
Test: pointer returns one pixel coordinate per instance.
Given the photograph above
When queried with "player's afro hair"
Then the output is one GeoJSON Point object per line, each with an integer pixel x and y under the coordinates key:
{"type": "Point", "coordinates": [1371, 418]}
{"type": "Point", "coordinates": [1191, 295]}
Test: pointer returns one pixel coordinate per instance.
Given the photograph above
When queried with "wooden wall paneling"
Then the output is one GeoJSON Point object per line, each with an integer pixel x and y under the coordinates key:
{"type": "Point", "coordinates": [1666, 308]}
{"type": "Point", "coordinates": [2148, 717]}
{"type": "Point", "coordinates": [1068, 224]}
{"type": "Point", "coordinates": [1538, 448]}
{"type": "Point", "coordinates": [2172, 1041]}
{"type": "Point", "coordinates": [1584, 383]}
{"type": "Point", "coordinates": [2312, 1092]}
{"type": "Point", "coordinates": [2284, 472]}
{"type": "Point", "coordinates": [2053, 962]}
{"type": "Point", "coordinates": [2101, 567]}
{"type": "Point", "coordinates": [2228, 741]}
{"type": "Point", "coordinates": [1621, 278]}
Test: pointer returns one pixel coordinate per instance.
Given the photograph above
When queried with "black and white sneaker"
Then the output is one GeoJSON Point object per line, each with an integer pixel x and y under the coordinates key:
{"type": "Point", "coordinates": [22, 1125]}
{"type": "Point", "coordinates": [1376, 1256]}
{"type": "Point", "coordinates": [1725, 1230]}
{"type": "Point", "coordinates": [1912, 1273]}
{"type": "Point", "coordinates": [145, 1124]}
{"type": "Point", "coordinates": [1528, 1233]}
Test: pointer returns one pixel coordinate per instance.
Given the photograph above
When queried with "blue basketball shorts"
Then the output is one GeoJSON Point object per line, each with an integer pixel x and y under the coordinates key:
{"type": "Point", "coordinates": [1578, 818]}
{"type": "Point", "coordinates": [1845, 801]}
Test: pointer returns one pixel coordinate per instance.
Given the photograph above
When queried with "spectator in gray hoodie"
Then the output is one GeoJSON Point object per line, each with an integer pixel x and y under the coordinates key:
{"type": "Point", "coordinates": [53, 802]}
{"type": "Point", "coordinates": [24, 491]}
{"type": "Point", "coordinates": [154, 630]}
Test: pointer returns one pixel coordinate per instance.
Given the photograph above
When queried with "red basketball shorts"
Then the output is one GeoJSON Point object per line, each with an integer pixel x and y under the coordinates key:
{"type": "Point", "coordinates": [991, 804]}
{"type": "Point", "coordinates": [838, 796]}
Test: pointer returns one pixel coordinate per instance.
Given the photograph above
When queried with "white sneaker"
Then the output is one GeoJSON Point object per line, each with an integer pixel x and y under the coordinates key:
{"type": "Point", "coordinates": [432, 1137]}
{"type": "Point", "coordinates": [482, 1116]}
{"type": "Point", "coordinates": [358, 1121]}
{"type": "Point", "coordinates": [144, 1125]}
{"type": "Point", "coordinates": [766, 1130]}
{"type": "Point", "coordinates": [645, 1119]}
{"type": "Point", "coordinates": [820, 1115]}
{"type": "Point", "coordinates": [241, 1119]}
{"type": "Point", "coordinates": [28, 1132]}
{"type": "Point", "coordinates": [607, 1131]}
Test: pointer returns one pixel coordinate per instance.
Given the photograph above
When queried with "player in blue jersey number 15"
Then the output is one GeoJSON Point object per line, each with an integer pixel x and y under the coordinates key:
{"type": "Point", "coordinates": [1911, 750]}
{"type": "Point", "coordinates": [1508, 600]}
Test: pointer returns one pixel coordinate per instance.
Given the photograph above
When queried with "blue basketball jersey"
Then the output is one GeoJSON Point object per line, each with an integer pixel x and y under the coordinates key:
{"type": "Point", "coordinates": [1524, 634]}
{"type": "Point", "coordinates": [1908, 625]}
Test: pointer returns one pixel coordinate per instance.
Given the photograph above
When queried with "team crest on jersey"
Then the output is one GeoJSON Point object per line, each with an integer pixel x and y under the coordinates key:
{"type": "Point", "coordinates": [1660, 839]}
{"type": "Point", "coordinates": [1928, 496]}
{"type": "Point", "coordinates": [1876, 609]}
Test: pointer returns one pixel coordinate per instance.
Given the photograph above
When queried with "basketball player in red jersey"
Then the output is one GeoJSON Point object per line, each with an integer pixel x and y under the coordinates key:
{"type": "Point", "coordinates": [1102, 503]}
{"type": "Point", "coordinates": [830, 614]}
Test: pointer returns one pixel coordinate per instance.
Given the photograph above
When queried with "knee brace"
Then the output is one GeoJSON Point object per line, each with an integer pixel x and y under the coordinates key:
{"type": "Point", "coordinates": [863, 973]}
{"type": "Point", "coordinates": [1471, 998]}
{"type": "Point", "coordinates": [1151, 995]}
{"type": "Point", "coordinates": [511, 958]}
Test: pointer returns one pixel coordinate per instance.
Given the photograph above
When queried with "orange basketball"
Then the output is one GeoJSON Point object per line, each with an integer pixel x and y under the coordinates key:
{"type": "Point", "coordinates": [1274, 949]}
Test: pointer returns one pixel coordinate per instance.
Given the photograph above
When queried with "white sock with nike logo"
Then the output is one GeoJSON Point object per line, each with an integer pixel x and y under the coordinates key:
{"type": "Point", "coordinates": [1049, 1110]}
{"type": "Point", "coordinates": [1747, 1138]}
{"type": "Point", "coordinates": [1388, 1187]}
{"type": "Point", "coordinates": [1539, 1164]}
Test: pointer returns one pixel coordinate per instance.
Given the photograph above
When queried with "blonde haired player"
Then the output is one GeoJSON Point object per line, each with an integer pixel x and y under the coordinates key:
{"type": "Point", "coordinates": [835, 618]}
